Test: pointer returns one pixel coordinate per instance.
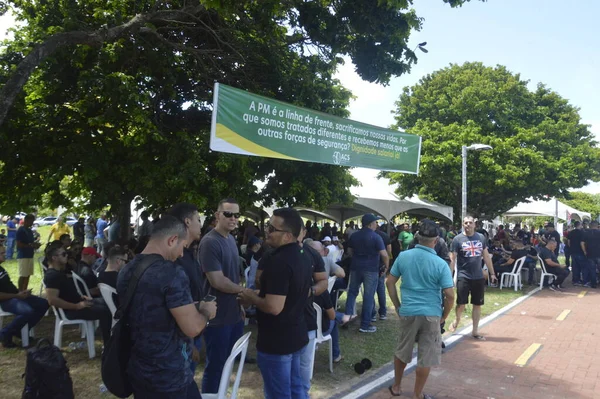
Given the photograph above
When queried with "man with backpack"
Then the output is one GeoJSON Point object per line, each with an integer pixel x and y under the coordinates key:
{"type": "Point", "coordinates": [162, 316]}
{"type": "Point", "coordinates": [28, 308]}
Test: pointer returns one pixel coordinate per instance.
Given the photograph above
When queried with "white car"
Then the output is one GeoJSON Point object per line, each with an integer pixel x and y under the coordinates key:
{"type": "Point", "coordinates": [47, 221]}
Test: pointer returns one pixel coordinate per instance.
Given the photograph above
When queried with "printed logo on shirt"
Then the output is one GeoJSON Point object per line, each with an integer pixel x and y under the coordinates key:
{"type": "Point", "coordinates": [472, 248]}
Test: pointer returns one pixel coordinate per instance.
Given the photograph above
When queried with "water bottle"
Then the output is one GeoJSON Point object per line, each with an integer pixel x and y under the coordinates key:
{"type": "Point", "coordinates": [103, 388]}
{"type": "Point", "coordinates": [82, 345]}
{"type": "Point", "coordinates": [72, 346]}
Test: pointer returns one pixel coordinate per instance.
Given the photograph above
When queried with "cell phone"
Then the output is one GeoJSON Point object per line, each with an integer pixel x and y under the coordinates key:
{"type": "Point", "coordinates": [209, 298]}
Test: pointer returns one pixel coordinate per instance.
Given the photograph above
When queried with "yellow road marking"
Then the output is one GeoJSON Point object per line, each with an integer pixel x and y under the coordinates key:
{"type": "Point", "coordinates": [581, 294]}
{"type": "Point", "coordinates": [528, 354]}
{"type": "Point", "coordinates": [563, 315]}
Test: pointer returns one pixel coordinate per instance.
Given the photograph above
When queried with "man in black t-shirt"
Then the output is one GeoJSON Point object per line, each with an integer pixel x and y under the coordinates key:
{"type": "Point", "coordinates": [517, 253]}
{"type": "Point", "coordinates": [285, 284]}
{"type": "Point", "coordinates": [552, 266]}
{"type": "Point", "coordinates": [117, 258]}
{"type": "Point", "coordinates": [29, 309]}
{"type": "Point", "coordinates": [61, 293]}
{"type": "Point", "coordinates": [578, 258]}
{"type": "Point", "coordinates": [551, 234]}
{"type": "Point", "coordinates": [591, 250]}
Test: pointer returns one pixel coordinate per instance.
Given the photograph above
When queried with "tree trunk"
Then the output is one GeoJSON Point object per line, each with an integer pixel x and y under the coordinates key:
{"type": "Point", "coordinates": [124, 216]}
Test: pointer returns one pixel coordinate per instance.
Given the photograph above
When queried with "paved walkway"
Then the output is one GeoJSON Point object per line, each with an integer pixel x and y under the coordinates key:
{"type": "Point", "coordinates": [566, 365]}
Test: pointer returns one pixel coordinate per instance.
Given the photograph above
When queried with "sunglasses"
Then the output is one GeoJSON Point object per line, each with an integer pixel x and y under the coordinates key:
{"type": "Point", "coordinates": [228, 214]}
{"type": "Point", "coordinates": [273, 229]}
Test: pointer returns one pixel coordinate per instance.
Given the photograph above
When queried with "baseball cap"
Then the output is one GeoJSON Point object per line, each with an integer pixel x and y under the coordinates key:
{"type": "Point", "coordinates": [252, 241]}
{"type": "Point", "coordinates": [327, 238]}
{"type": "Point", "coordinates": [368, 218]}
{"type": "Point", "coordinates": [428, 228]}
{"type": "Point", "coordinates": [90, 251]}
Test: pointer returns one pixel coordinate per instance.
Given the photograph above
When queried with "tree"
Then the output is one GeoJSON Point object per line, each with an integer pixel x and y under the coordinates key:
{"type": "Point", "coordinates": [584, 202]}
{"type": "Point", "coordinates": [112, 101]}
{"type": "Point", "coordinates": [540, 147]}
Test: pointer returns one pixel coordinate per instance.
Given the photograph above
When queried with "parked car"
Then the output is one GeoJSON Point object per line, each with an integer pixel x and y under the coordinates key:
{"type": "Point", "coordinates": [47, 221]}
{"type": "Point", "coordinates": [70, 220]}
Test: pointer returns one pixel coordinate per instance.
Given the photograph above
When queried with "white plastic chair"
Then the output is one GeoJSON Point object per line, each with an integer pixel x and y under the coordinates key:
{"type": "Point", "coordinates": [240, 347]}
{"type": "Point", "coordinates": [79, 284]}
{"type": "Point", "coordinates": [514, 277]}
{"type": "Point", "coordinates": [320, 339]}
{"type": "Point", "coordinates": [24, 330]}
{"type": "Point", "coordinates": [551, 277]}
{"type": "Point", "coordinates": [42, 272]}
{"type": "Point", "coordinates": [246, 274]}
{"type": "Point", "coordinates": [87, 327]}
{"type": "Point", "coordinates": [107, 293]}
{"type": "Point", "coordinates": [330, 283]}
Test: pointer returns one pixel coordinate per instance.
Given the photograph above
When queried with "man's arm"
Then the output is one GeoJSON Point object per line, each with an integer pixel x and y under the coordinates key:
{"type": "Point", "coordinates": [320, 280]}
{"type": "Point", "coordinates": [338, 271]}
{"type": "Point", "coordinates": [54, 300]}
{"type": "Point", "coordinates": [448, 302]}
{"type": "Point", "coordinates": [550, 262]}
{"type": "Point", "coordinates": [389, 250]}
{"type": "Point", "coordinates": [508, 262]}
{"type": "Point", "coordinates": [385, 258]}
{"type": "Point", "coordinates": [271, 304]}
{"type": "Point", "coordinates": [452, 262]}
{"type": "Point", "coordinates": [487, 259]}
{"type": "Point", "coordinates": [219, 282]}
{"type": "Point", "coordinates": [4, 296]}
{"type": "Point", "coordinates": [583, 247]}
{"type": "Point", "coordinates": [191, 321]}
{"type": "Point", "coordinates": [390, 283]}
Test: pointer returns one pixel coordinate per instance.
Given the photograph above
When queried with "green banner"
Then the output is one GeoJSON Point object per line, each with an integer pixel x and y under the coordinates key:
{"type": "Point", "coordinates": [249, 124]}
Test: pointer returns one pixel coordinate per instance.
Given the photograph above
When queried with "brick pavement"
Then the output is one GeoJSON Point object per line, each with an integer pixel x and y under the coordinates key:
{"type": "Point", "coordinates": [566, 366]}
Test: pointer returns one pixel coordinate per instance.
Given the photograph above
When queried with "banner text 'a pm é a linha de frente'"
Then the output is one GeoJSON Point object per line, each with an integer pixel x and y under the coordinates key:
{"type": "Point", "coordinates": [246, 123]}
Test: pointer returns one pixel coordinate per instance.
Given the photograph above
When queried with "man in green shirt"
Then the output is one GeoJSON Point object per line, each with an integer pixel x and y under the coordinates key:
{"type": "Point", "coordinates": [405, 237]}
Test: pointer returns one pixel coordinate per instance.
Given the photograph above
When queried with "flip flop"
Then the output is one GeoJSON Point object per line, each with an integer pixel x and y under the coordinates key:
{"type": "Point", "coordinates": [478, 337]}
{"type": "Point", "coordinates": [452, 327]}
{"type": "Point", "coordinates": [394, 393]}
{"type": "Point", "coordinates": [350, 320]}
{"type": "Point", "coordinates": [425, 396]}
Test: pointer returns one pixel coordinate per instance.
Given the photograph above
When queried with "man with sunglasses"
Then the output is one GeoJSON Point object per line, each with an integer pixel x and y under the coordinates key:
{"type": "Point", "coordinates": [61, 293]}
{"type": "Point", "coordinates": [285, 285]}
{"type": "Point", "coordinates": [29, 309]}
{"type": "Point", "coordinates": [220, 262]}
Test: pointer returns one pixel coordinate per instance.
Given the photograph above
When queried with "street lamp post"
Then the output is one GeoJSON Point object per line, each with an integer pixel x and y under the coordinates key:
{"type": "Point", "coordinates": [472, 147]}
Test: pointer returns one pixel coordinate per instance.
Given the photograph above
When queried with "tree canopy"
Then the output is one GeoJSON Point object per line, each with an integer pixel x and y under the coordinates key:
{"type": "Point", "coordinates": [540, 146]}
{"type": "Point", "coordinates": [106, 101]}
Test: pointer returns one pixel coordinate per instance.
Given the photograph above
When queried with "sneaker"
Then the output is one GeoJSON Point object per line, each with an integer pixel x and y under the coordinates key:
{"type": "Point", "coordinates": [338, 359]}
{"type": "Point", "coordinates": [373, 319]}
{"type": "Point", "coordinates": [553, 288]}
{"type": "Point", "coordinates": [370, 329]}
{"type": "Point", "coordinates": [382, 317]}
{"type": "Point", "coordinates": [578, 284]}
{"type": "Point", "coordinates": [587, 285]}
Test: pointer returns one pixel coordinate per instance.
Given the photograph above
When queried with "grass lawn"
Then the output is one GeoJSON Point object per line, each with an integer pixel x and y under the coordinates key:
{"type": "Point", "coordinates": [378, 347]}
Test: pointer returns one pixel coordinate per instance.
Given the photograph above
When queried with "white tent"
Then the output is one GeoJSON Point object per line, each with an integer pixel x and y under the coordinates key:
{"type": "Point", "coordinates": [552, 207]}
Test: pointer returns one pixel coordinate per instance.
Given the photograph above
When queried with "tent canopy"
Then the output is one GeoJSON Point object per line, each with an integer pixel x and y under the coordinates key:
{"type": "Point", "coordinates": [547, 208]}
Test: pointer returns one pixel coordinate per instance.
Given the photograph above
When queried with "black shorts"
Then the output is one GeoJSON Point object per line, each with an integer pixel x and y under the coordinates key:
{"type": "Point", "coordinates": [475, 288]}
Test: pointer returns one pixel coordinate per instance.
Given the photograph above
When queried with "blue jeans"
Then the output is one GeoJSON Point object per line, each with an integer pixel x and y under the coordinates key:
{"type": "Point", "coordinates": [198, 345]}
{"type": "Point", "coordinates": [10, 247]}
{"type": "Point", "coordinates": [578, 263]}
{"type": "Point", "coordinates": [219, 342]}
{"type": "Point", "coordinates": [29, 311]}
{"type": "Point", "coordinates": [335, 333]}
{"type": "Point", "coordinates": [381, 299]}
{"type": "Point", "coordinates": [191, 392]}
{"type": "Point", "coordinates": [306, 359]}
{"type": "Point", "coordinates": [590, 270]}
{"type": "Point", "coordinates": [281, 375]}
{"type": "Point", "coordinates": [370, 280]}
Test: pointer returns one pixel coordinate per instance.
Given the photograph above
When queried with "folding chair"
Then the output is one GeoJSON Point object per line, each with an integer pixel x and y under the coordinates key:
{"type": "Point", "coordinates": [86, 325]}
{"type": "Point", "coordinates": [24, 330]}
{"type": "Point", "coordinates": [320, 339]}
{"type": "Point", "coordinates": [514, 277]}
{"type": "Point", "coordinates": [330, 283]}
{"type": "Point", "coordinates": [107, 294]}
{"type": "Point", "coordinates": [551, 277]}
{"type": "Point", "coordinates": [240, 348]}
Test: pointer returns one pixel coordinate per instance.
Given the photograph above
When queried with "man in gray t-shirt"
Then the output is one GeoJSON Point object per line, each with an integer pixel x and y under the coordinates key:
{"type": "Point", "coordinates": [220, 262]}
{"type": "Point", "coordinates": [468, 251]}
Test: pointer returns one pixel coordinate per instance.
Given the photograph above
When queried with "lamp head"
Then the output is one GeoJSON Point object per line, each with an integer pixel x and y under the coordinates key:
{"type": "Point", "coordinates": [479, 147]}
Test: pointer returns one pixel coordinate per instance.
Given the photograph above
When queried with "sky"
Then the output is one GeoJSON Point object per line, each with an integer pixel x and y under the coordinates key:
{"type": "Point", "coordinates": [549, 41]}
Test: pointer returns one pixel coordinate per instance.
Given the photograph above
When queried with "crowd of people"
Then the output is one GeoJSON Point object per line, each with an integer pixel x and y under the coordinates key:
{"type": "Point", "coordinates": [192, 286]}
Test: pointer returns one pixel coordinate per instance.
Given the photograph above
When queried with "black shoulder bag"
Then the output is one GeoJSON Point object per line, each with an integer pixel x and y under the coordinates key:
{"type": "Point", "coordinates": [118, 349]}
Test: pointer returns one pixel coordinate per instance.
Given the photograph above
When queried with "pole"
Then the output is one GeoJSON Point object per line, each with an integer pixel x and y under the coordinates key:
{"type": "Point", "coordinates": [463, 212]}
{"type": "Point", "coordinates": [556, 213]}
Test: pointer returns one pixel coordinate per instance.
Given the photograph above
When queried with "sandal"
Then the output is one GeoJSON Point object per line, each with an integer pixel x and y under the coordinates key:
{"type": "Point", "coordinates": [350, 320]}
{"type": "Point", "coordinates": [394, 393]}
{"type": "Point", "coordinates": [478, 337]}
{"type": "Point", "coordinates": [453, 327]}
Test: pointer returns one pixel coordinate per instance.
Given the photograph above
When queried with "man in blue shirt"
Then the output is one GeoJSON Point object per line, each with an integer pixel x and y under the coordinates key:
{"type": "Point", "coordinates": [11, 237]}
{"type": "Point", "coordinates": [26, 246]}
{"type": "Point", "coordinates": [368, 253]}
{"type": "Point", "coordinates": [424, 276]}
{"type": "Point", "coordinates": [100, 239]}
{"type": "Point", "coordinates": [163, 318]}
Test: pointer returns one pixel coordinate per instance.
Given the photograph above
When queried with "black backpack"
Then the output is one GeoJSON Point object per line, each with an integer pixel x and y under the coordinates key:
{"type": "Point", "coordinates": [117, 351]}
{"type": "Point", "coordinates": [46, 373]}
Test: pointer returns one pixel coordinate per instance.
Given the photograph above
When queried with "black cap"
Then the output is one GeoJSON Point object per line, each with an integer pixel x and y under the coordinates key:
{"type": "Point", "coordinates": [428, 228]}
